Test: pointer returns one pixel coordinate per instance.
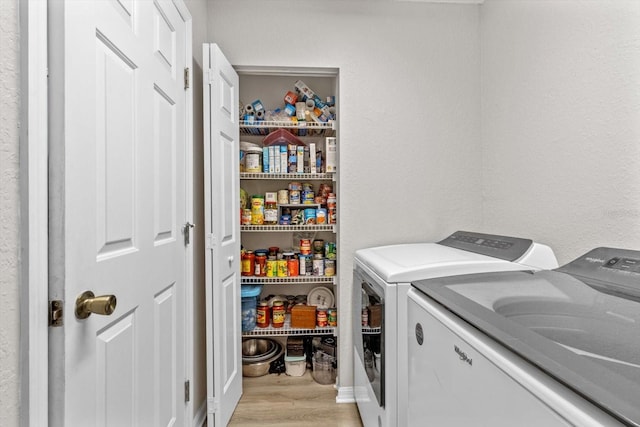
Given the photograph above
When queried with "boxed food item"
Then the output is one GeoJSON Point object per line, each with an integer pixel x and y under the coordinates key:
{"type": "Point", "coordinates": [375, 316]}
{"type": "Point", "coordinates": [303, 316]}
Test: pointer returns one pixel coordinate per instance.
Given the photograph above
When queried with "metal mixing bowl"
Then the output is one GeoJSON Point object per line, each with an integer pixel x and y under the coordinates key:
{"type": "Point", "coordinates": [260, 352]}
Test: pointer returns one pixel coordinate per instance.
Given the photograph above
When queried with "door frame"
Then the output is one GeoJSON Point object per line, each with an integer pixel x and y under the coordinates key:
{"type": "Point", "coordinates": [34, 207]}
{"type": "Point", "coordinates": [34, 211]}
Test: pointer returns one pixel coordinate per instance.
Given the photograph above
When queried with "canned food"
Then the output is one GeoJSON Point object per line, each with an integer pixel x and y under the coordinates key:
{"type": "Point", "coordinates": [302, 264]}
{"type": "Point", "coordinates": [318, 246]}
{"type": "Point", "coordinates": [293, 267]}
{"type": "Point", "coordinates": [246, 217]}
{"type": "Point", "coordinates": [283, 268]}
{"type": "Point", "coordinates": [318, 267]}
{"type": "Point", "coordinates": [329, 267]}
{"type": "Point", "coordinates": [308, 197]}
{"type": "Point", "coordinates": [330, 250]}
{"type": "Point", "coordinates": [321, 216]}
{"type": "Point", "coordinates": [321, 317]}
{"type": "Point", "coordinates": [294, 197]}
{"type": "Point", "coordinates": [272, 268]}
{"type": "Point", "coordinates": [305, 246]}
{"type": "Point", "coordinates": [283, 197]}
{"type": "Point", "coordinates": [332, 317]}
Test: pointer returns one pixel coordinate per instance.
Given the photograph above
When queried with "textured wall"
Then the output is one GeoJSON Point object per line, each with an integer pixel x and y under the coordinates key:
{"type": "Point", "coordinates": [560, 122]}
{"type": "Point", "coordinates": [9, 208]}
{"type": "Point", "coordinates": [409, 118]}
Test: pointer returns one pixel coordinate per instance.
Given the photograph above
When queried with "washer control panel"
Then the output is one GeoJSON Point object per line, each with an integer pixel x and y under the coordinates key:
{"type": "Point", "coordinates": [502, 247]}
{"type": "Point", "coordinates": [614, 271]}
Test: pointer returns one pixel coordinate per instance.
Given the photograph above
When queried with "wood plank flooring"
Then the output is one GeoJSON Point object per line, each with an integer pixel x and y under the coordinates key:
{"type": "Point", "coordinates": [281, 400]}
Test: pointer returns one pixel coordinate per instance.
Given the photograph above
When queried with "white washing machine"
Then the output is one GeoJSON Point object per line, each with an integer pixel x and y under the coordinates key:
{"type": "Point", "coordinates": [545, 348]}
{"type": "Point", "coordinates": [381, 278]}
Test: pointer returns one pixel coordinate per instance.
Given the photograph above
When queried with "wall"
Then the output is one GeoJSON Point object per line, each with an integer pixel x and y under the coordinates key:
{"type": "Point", "coordinates": [409, 119]}
{"type": "Point", "coordinates": [9, 218]}
{"type": "Point", "coordinates": [560, 126]}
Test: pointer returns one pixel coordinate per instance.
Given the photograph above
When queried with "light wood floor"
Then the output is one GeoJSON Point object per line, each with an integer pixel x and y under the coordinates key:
{"type": "Point", "coordinates": [281, 400]}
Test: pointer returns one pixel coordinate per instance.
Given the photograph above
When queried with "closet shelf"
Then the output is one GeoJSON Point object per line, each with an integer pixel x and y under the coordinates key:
{"type": "Point", "coordinates": [249, 280]}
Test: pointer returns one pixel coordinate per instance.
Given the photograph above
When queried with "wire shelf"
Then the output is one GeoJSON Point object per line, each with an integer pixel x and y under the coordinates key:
{"type": "Point", "coordinates": [288, 228]}
{"type": "Point", "coordinates": [248, 280]}
{"type": "Point", "coordinates": [289, 176]}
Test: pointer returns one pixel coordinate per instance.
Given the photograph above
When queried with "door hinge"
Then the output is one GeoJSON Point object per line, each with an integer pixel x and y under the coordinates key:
{"type": "Point", "coordinates": [187, 233]}
{"type": "Point", "coordinates": [210, 76]}
{"type": "Point", "coordinates": [56, 313]}
{"type": "Point", "coordinates": [187, 390]}
{"type": "Point", "coordinates": [186, 78]}
{"type": "Point", "coordinates": [210, 241]}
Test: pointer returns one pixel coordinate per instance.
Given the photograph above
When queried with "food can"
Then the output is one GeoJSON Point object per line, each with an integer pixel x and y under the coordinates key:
{"type": "Point", "coordinates": [305, 246]}
{"type": "Point", "coordinates": [283, 197]}
{"type": "Point", "coordinates": [263, 314]}
{"type": "Point", "coordinates": [272, 268]}
{"type": "Point", "coordinates": [308, 197]}
{"type": "Point", "coordinates": [318, 247]}
{"type": "Point", "coordinates": [329, 267]}
{"type": "Point", "coordinates": [294, 197]}
{"type": "Point", "coordinates": [331, 215]}
{"type": "Point", "coordinates": [246, 217]}
{"type": "Point", "coordinates": [253, 160]}
{"type": "Point", "coordinates": [309, 216]}
{"type": "Point", "coordinates": [283, 268]}
{"type": "Point", "coordinates": [293, 267]}
{"type": "Point", "coordinates": [295, 186]}
{"type": "Point", "coordinates": [302, 264]}
{"type": "Point", "coordinates": [321, 318]}
{"type": "Point", "coordinates": [318, 267]}
{"type": "Point", "coordinates": [365, 316]}
{"type": "Point", "coordinates": [330, 250]}
{"type": "Point", "coordinates": [332, 317]}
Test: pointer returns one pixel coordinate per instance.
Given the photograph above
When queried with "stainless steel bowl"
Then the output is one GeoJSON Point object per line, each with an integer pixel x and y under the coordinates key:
{"type": "Point", "coordinates": [257, 347]}
{"type": "Point", "coordinates": [258, 364]}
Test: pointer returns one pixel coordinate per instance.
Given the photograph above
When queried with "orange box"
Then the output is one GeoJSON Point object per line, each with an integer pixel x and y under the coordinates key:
{"type": "Point", "coordinates": [303, 316]}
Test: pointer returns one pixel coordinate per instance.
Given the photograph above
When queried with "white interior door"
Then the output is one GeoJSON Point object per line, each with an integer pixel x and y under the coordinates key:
{"type": "Point", "coordinates": [222, 228]}
{"type": "Point", "coordinates": [118, 193]}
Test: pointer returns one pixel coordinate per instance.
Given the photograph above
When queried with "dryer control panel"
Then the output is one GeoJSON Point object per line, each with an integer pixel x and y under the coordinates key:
{"type": "Point", "coordinates": [502, 247]}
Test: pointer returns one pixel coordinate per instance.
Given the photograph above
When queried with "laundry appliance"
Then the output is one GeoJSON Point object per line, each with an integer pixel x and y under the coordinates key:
{"type": "Point", "coordinates": [381, 278]}
{"type": "Point", "coordinates": [544, 348]}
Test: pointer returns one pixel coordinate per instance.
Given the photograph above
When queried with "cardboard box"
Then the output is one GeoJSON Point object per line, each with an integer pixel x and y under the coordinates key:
{"type": "Point", "coordinates": [303, 316]}
{"type": "Point", "coordinates": [375, 316]}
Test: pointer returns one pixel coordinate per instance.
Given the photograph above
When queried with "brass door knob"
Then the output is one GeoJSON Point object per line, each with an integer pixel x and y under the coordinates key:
{"type": "Point", "coordinates": [88, 303]}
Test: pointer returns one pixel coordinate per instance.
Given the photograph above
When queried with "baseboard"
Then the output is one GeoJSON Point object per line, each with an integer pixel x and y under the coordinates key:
{"type": "Point", "coordinates": [200, 419]}
{"type": "Point", "coordinates": [345, 395]}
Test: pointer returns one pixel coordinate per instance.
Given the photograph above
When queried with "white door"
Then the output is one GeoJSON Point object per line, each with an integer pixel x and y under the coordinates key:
{"type": "Point", "coordinates": [118, 142]}
{"type": "Point", "coordinates": [222, 228]}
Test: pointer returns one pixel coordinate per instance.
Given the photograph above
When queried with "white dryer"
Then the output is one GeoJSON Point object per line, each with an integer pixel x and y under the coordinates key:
{"type": "Point", "coordinates": [545, 348]}
{"type": "Point", "coordinates": [382, 277]}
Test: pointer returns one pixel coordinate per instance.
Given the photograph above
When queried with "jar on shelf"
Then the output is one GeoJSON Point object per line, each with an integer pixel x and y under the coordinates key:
{"type": "Point", "coordinates": [247, 263]}
{"type": "Point", "coordinates": [270, 209]}
{"type": "Point", "coordinates": [263, 314]}
{"type": "Point", "coordinates": [277, 314]}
